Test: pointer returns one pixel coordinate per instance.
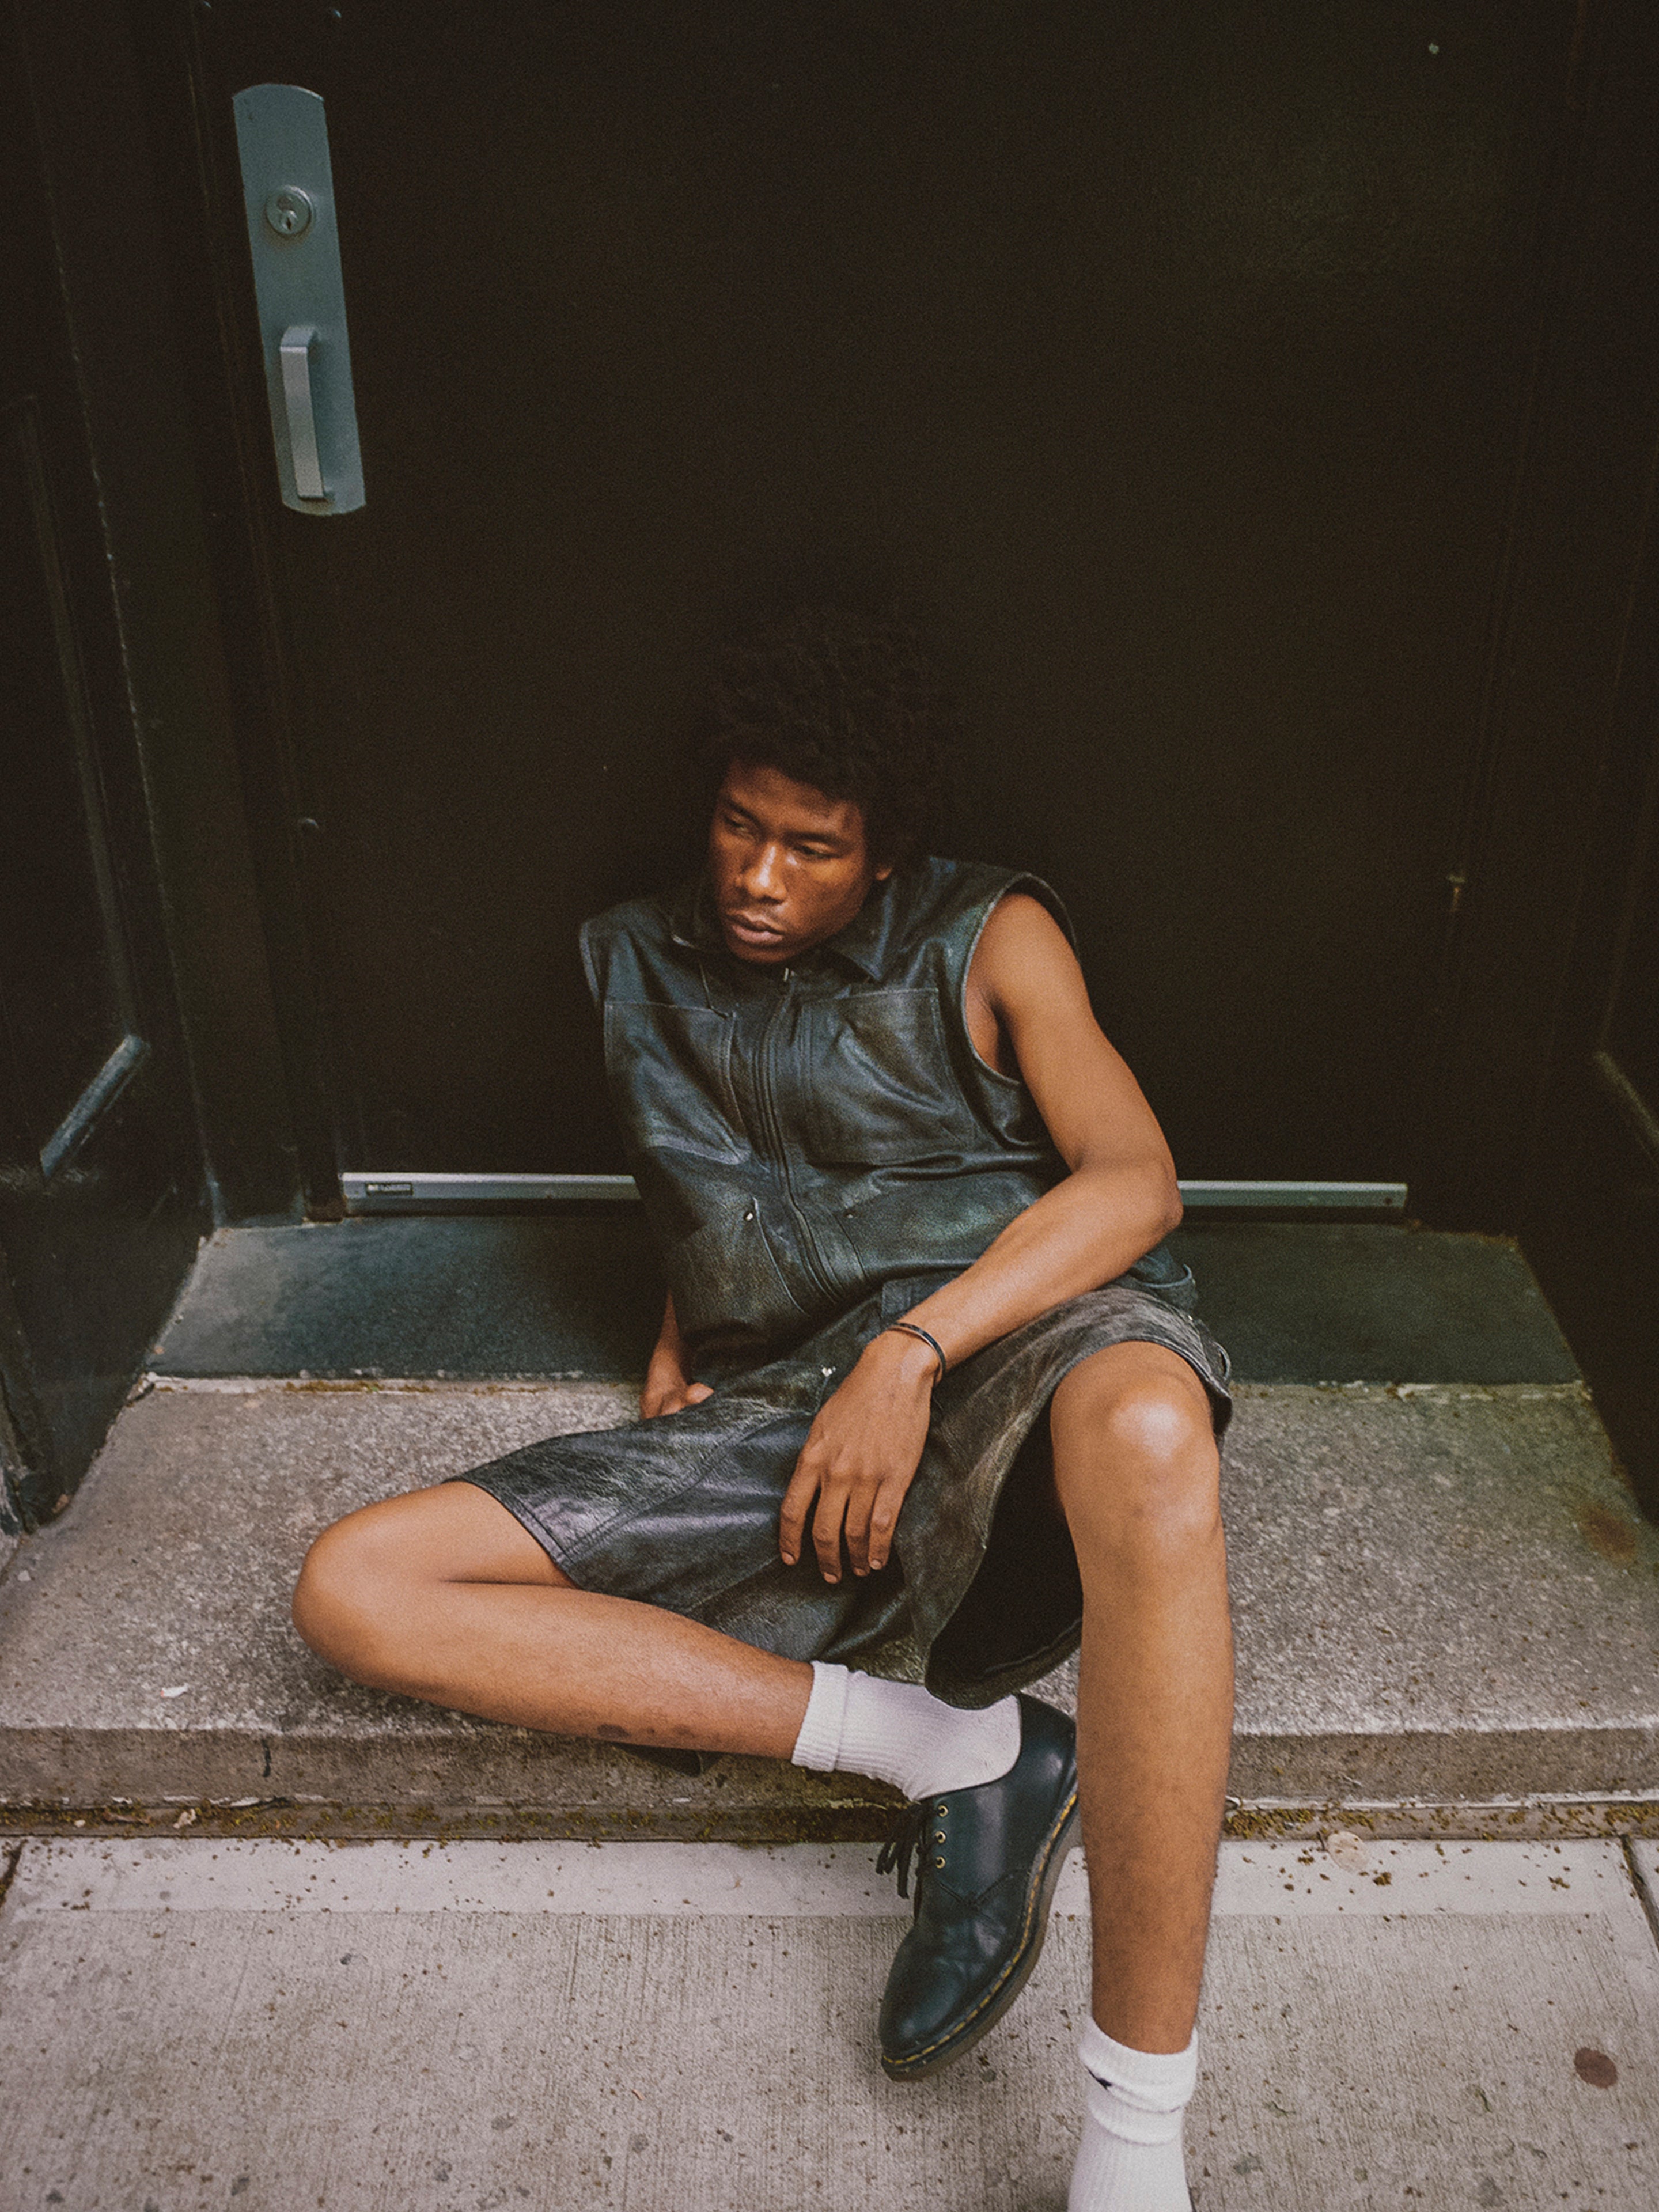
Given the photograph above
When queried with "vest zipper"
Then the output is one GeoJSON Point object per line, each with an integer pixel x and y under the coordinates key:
{"type": "Point", "coordinates": [774, 1136]}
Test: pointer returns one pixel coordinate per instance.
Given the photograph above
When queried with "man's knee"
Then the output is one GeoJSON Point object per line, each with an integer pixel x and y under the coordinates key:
{"type": "Point", "coordinates": [347, 1593]}
{"type": "Point", "coordinates": [1136, 1454]}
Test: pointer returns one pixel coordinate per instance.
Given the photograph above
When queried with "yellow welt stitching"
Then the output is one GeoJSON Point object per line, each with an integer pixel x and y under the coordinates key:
{"type": "Point", "coordinates": [1019, 1948]}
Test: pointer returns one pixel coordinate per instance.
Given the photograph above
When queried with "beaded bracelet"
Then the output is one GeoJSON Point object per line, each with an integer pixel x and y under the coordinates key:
{"type": "Point", "coordinates": [910, 1329]}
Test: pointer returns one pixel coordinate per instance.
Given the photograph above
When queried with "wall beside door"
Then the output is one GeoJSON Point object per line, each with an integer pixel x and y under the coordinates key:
{"type": "Point", "coordinates": [1544, 1113]}
{"type": "Point", "coordinates": [1592, 1230]}
{"type": "Point", "coordinates": [122, 898]}
{"type": "Point", "coordinates": [1592, 1225]}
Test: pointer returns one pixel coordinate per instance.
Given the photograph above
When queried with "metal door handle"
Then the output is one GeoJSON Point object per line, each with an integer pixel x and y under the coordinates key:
{"type": "Point", "coordinates": [295, 354]}
{"type": "Point", "coordinates": [294, 240]}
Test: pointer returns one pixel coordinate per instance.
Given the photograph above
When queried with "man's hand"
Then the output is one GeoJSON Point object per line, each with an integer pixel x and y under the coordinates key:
{"type": "Point", "coordinates": [668, 1391]}
{"type": "Point", "coordinates": [668, 1387]}
{"type": "Point", "coordinates": [860, 1458]}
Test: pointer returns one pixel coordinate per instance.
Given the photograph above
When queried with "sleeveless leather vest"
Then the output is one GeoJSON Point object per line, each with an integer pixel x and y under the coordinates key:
{"type": "Point", "coordinates": [801, 1136]}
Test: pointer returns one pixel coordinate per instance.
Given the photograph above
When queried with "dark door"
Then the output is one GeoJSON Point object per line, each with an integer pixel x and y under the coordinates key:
{"type": "Point", "coordinates": [99, 1173]}
{"type": "Point", "coordinates": [1164, 366]}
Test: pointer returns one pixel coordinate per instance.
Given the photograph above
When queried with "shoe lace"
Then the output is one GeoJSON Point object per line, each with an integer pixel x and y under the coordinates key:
{"type": "Point", "coordinates": [904, 1846]}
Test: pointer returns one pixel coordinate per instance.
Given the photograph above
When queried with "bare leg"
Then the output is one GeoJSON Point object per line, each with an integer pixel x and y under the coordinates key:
{"type": "Point", "coordinates": [1137, 1471]}
{"type": "Point", "coordinates": [442, 1595]}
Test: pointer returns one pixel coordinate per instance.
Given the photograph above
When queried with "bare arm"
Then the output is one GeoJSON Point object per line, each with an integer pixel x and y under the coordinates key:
{"type": "Point", "coordinates": [1027, 1003]}
{"type": "Point", "coordinates": [668, 1386]}
{"type": "Point", "coordinates": [1026, 990]}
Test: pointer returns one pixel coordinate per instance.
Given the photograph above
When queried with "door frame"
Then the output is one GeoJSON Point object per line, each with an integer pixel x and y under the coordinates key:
{"type": "Point", "coordinates": [95, 1259]}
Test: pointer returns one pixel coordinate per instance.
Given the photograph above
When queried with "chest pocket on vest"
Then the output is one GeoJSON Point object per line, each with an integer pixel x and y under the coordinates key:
{"type": "Point", "coordinates": [878, 1085]}
{"type": "Point", "coordinates": [670, 1069]}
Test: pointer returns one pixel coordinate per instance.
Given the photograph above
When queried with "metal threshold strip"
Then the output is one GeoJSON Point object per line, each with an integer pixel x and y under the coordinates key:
{"type": "Point", "coordinates": [369, 1191]}
{"type": "Point", "coordinates": [1347, 1197]}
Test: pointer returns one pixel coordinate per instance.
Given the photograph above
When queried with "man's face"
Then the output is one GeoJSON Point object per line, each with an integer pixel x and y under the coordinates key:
{"type": "Point", "coordinates": [789, 866]}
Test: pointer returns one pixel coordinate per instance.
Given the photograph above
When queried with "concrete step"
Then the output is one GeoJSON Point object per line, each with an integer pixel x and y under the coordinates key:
{"type": "Point", "coordinates": [1447, 1604]}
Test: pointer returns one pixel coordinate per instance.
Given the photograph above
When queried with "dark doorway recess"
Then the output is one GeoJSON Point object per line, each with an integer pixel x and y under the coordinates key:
{"type": "Point", "coordinates": [1165, 366]}
{"type": "Point", "coordinates": [100, 1196]}
{"type": "Point", "coordinates": [539, 1296]}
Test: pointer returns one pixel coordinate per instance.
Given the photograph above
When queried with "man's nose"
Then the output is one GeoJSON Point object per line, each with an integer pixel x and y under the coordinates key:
{"type": "Point", "coordinates": [763, 874]}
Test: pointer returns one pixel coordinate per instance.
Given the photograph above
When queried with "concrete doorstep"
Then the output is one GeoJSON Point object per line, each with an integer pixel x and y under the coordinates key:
{"type": "Point", "coordinates": [417, 2027]}
{"type": "Point", "coordinates": [1447, 1605]}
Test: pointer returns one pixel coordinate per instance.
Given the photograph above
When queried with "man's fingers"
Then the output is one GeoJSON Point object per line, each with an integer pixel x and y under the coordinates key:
{"type": "Point", "coordinates": [657, 1399]}
{"type": "Point", "coordinates": [871, 1521]}
{"type": "Point", "coordinates": [826, 1529]}
{"type": "Point", "coordinates": [810, 1479]}
{"type": "Point", "coordinates": [859, 1509]}
{"type": "Point", "coordinates": [791, 1514]}
{"type": "Point", "coordinates": [883, 1521]}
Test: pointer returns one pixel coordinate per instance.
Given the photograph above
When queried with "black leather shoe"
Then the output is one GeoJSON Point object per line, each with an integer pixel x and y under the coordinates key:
{"type": "Point", "coordinates": [988, 1860]}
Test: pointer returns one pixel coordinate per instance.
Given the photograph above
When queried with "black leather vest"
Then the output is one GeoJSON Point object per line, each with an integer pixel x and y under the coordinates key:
{"type": "Point", "coordinates": [802, 1135]}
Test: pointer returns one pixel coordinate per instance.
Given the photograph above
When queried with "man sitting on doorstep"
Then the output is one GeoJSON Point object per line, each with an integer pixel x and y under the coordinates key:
{"type": "Point", "coordinates": [927, 1408]}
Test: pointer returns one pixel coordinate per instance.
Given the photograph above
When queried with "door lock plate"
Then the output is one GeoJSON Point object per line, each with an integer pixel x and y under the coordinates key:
{"type": "Point", "coordinates": [287, 185]}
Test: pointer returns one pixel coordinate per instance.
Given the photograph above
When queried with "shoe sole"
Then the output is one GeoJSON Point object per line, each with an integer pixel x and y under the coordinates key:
{"type": "Point", "coordinates": [1050, 1864]}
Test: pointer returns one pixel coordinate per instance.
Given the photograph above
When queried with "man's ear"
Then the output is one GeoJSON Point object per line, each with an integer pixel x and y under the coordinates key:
{"type": "Point", "coordinates": [882, 873]}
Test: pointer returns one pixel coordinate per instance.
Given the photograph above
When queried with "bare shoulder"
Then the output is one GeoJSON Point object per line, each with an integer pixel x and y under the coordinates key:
{"type": "Point", "coordinates": [1028, 1003]}
{"type": "Point", "coordinates": [1022, 966]}
{"type": "Point", "coordinates": [1022, 951]}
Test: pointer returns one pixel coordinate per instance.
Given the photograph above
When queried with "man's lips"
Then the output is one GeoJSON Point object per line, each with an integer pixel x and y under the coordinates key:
{"type": "Point", "coordinates": [753, 928]}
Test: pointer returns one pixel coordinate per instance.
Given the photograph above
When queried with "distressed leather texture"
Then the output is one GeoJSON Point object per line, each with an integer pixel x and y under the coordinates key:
{"type": "Point", "coordinates": [802, 1136]}
{"type": "Point", "coordinates": [794, 1226]}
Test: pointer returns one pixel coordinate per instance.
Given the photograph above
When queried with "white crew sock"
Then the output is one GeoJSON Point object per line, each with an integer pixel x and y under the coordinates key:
{"type": "Point", "coordinates": [898, 1732]}
{"type": "Point", "coordinates": [1130, 2159]}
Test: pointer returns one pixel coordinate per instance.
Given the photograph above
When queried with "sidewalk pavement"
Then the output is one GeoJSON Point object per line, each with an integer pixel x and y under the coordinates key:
{"type": "Point", "coordinates": [682, 2028]}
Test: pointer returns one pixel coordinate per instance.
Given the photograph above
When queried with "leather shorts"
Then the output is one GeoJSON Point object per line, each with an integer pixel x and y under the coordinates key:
{"type": "Point", "coordinates": [980, 1595]}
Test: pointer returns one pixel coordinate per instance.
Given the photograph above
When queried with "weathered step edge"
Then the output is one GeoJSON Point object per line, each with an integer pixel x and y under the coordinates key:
{"type": "Point", "coordinates": [502, 1766]}
{"type": "Point", "coordinates": [511, 1782]}
{"type": "Point", "coordinates": [1557, 1820]}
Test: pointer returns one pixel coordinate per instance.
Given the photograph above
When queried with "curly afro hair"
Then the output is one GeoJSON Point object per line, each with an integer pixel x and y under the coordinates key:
{"type": "Point", "coordinates": [849, 705]}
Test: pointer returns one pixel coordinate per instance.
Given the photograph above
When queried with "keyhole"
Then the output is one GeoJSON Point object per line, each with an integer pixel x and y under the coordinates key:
{"type": "Point", "coordinates": [288, 212]}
